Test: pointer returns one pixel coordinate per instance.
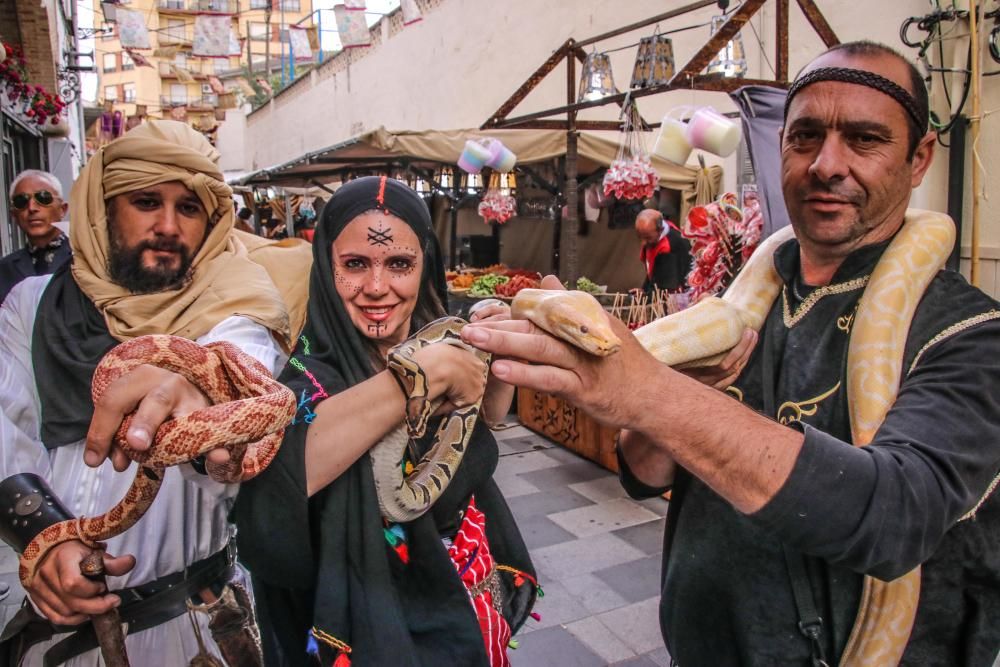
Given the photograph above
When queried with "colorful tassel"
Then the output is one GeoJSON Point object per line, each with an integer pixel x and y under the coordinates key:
{"type": "Point", "coordinates": [535, 615]}
{"type": "Point", "coordinates": [342, 661]}
{"type": "Point", "coordinates": [513, 644]}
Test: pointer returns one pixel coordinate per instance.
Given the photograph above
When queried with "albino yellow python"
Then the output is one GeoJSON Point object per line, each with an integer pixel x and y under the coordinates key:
{"type": "Point", "coordinates": [248, 417]}
{"type": "Point", "coordinates": [703, 333]}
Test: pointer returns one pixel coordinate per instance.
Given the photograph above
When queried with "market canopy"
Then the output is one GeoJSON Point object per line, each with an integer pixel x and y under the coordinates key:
{"type": "Point", "coordinates": [383, 150]}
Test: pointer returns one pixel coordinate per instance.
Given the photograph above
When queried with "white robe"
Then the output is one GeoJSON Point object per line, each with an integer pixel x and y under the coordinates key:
{"type": "Point", "coordinates": [187, 521]}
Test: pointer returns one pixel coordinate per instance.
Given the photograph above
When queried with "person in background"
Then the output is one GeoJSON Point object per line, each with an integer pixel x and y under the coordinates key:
{"type": "Point", "coordinates": [36, 203]}
{"type": "Point", "coordinates": [244, 220]}
{"type": "Point", "coordinates": [665, 253]}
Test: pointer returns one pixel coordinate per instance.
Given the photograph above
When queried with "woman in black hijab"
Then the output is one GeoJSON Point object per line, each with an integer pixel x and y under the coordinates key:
{"type": "Point", "coordinates": [326, 567]}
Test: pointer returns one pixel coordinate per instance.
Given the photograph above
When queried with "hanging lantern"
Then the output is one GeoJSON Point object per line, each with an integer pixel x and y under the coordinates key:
{"type": "Point", "coordinates": [654, 63]}
{"type": "Point", "coordinates": [731, 61]}
{"type": "Point", "coordinates": [596, 80]}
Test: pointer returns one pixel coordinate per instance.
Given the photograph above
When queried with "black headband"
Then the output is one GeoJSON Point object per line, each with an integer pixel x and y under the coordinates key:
{"type": "Point", "coordinates": [918, 113]}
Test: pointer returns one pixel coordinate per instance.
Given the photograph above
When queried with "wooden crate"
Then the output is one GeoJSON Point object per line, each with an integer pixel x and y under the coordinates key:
{"type": "Point", "coordinates": [569, 426]}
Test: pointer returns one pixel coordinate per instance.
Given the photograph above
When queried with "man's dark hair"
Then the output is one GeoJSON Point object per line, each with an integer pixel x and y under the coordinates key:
{"type": "Point", "coordinates": [918, 89]}
{"type": "Point", "coordinates": [244, 214]}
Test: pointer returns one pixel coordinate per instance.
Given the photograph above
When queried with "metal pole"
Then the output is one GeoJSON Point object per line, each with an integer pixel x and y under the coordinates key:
{"type": "Point", "coordinates": [281, 26]}
{"type": "Point", "coordinates": [267, 40]}
{"type": "Point", "coordinates": [319, 34]}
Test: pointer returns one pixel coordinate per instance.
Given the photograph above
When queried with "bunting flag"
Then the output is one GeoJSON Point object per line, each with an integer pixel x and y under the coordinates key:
{"type": "Point", "coordinates": [355, 5]}
{"type": "Point", "coordinates": [234, 43]}
{"type": "Point", "coordinates": [352, 27]}
{"type": "Point", "coordinates": [313, 33]}
{"type": "Point", "coordinates": [166, 52]}
{"type": "Point", "coordinates": [183, 76]}
{"type": "Point", "coordinates": [212, 36]}
{"type": "Point", "coordinates": [138, 59]}
{"type": "Point", "coordinates": [411, 13]}
{"type": "Point", "coordinates": [132, 30]}
{"type": "Point", "coordinates": [299, 39]}
{"type": "Point", "coordinates": [245, 87]}
{"type": "Point", "coordinates": [216, 85]}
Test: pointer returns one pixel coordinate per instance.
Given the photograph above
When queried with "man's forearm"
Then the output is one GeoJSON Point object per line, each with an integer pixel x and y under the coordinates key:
{"type": "Point", "coordinates": [742, 455]}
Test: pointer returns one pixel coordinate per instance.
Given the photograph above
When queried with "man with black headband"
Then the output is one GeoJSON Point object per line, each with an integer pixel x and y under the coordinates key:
{"type": "Point", "coordinates": [36, 203]}
{"type": "Point", "coordinates": [153, 253]}
{"type": "Point", "coordinates": [786, 543]}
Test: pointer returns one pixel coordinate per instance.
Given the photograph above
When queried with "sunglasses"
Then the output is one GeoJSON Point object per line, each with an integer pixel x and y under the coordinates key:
{"type": "Point", "coordinates": [43, 197]}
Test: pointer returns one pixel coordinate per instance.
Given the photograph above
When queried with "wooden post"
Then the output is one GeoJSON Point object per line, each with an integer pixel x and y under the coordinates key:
{"type": "Point", "coordinates": [974, 127]}
{"type": "Point", "coordinates": [572, 228]}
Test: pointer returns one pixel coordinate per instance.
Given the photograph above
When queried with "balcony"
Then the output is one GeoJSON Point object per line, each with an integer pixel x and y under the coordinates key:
{"type": "Point", "coordinates": [198, 69]}
{"type": "Point", "coordinates": [203, 103]}
{"type": "Point", "coordinates": [198, 6]}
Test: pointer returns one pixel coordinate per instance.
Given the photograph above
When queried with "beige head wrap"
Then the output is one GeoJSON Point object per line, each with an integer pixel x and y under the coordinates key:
{"type": "Point", "coordinates": [225, 281]}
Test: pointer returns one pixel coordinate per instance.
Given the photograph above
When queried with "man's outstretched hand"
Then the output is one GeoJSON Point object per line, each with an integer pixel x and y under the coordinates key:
{"type": "Point", "coordinates": [156, 395]}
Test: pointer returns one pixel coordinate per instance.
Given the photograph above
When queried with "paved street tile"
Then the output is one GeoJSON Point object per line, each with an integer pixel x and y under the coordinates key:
{"type": "Point", "coordinates": [517, 432]}
{"type": "Point", "coordinates": [528, 443]}
{"type": "Point", "coordinates": [602, 517]}
{"type": "Point", "coordinates": [553, 647]}
{"type": "Point", "coordinates": [556, 607]}
{"type": "Point", "coordinates": [635, 581]}
{"type": "Point", "coordinates": [638, 625]}
{"type": "Point", "coordinates": [582, 556]}
{"type": "Point", "coordinates": [659, 657]}
{"type": "Point", "coordinates": [646, 536]}
{"type": "Point", "coordinates": [638, 661]}
{"type": "Point", "coordinates": [600, 640]}
{"type": "Point", "coordinates": [562, 474]}
{"type": "Point", "coordinates": [656, 505]}
{"type": "Point", "coordinates": [511, 485]}
{"type": "Point", "coordinates": [564, 455]}
{"type": "Point", "coordinates": [539, 531]}
{"type": "Point", "coordinates": [603, 488]}
{"type": "Point", "coordinates": [593, 593]}
{"type": "Point", "coordinates": [518, 464]}
{"type": "Point", "coordinates": [548, 500]}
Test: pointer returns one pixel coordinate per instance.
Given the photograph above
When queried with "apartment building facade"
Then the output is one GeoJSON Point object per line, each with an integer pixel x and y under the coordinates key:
{"type": "Point", "coordinates": [179, 84]}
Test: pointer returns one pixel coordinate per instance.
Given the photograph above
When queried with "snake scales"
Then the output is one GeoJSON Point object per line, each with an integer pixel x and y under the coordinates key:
{"type": "Point", "coordinates": [701, 335]}
{"type": "Point", "coordinates": [248, 414]}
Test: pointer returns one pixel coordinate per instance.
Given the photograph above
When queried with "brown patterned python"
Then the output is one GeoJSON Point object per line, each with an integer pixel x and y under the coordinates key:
{"type": "Point", "coordinates": [700, 335]}
{"type": "Point", "coordinates": [248, 414]}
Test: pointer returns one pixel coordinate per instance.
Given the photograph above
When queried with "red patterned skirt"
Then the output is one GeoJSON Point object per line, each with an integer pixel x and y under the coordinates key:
{"type": "Point", "coordinates": [470, 552]}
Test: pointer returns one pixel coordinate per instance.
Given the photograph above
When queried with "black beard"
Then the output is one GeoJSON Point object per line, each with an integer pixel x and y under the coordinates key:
{"type": "Point", "coordinates": [126, 269]}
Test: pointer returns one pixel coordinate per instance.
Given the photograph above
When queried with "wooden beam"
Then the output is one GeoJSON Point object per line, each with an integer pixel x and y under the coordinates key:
{"type": "Point", "coordinates": [529, 85]}
{"type": "Point", "coordinates": [818, 22]}
{"type": "Point", "coordinates": [716, 42]}
{"type": "Point", "coordinates": [781, 34]}
{"type": "Point", "coordinates": [605, 125]}
{"type": "Point", "coordinates": [650, 21]}
{"type": "Point", "coordinates": [712, 83]}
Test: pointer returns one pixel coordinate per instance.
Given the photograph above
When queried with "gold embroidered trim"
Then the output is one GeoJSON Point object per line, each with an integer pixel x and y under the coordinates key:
{"type": "Point", "coordinates": [807, 407]}
{"type": "Point", "coordinates": [989, 491]}
{"type": "Point", "coordinates": [952, 330]}
{"type": "Point", "coordinates": [826, 290]}
{"type": "Point", "coordinates": [844, 322]}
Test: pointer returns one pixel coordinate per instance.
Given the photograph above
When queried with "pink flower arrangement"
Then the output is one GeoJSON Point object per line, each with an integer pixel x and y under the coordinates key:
{"type": "Point", "coordinates": [39, 105]}
{"type": "Point", "coordinates": [723, 236]}
{"type": "Point", "coordinates": [497, 206]}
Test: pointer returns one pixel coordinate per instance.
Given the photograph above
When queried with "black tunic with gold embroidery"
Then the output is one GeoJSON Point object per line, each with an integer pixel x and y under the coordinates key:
{"type": "Point", "coordinates": [878, 510]}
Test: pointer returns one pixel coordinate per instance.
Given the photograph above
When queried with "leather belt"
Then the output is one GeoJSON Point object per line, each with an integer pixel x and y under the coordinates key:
{"type": "Point", "coordinates": [143, 607]}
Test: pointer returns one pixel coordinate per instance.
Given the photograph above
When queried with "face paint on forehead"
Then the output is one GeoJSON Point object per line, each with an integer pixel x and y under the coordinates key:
{"type": "Point", "coordinates": [380, 236]}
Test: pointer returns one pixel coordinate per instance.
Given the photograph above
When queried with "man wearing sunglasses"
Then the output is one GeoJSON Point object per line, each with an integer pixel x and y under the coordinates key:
{"type": "Point", "coordinates": [35, 203]}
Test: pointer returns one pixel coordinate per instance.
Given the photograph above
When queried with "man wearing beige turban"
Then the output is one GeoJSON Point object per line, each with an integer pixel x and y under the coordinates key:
{"type": "Point", "coordinates": [153, 252]}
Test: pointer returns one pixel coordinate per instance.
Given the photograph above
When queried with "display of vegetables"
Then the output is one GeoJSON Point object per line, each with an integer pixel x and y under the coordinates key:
{"type": "Point", "coordinates": [486, 285]}
{"type": "Point", "coordinates": [517, 283]}
{"type": "Point", "coordinates": [585, 284]}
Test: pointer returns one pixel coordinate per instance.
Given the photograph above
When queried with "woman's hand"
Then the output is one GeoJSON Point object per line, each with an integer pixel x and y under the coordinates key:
{"type": "Point", "coordinates": [498, 395]}
{"type": "Point", "coordinates": [453, 374]}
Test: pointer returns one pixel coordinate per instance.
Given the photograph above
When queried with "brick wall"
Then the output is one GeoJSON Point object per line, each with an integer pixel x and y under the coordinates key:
{"type": "Point", "coordinates": [38, 41]}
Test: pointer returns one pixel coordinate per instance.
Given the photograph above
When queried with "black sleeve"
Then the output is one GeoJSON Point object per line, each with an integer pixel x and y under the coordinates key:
{"type": "Point", "coordinates": [883, 509]}
{"type": "Point", "coordinates": [632, 485]}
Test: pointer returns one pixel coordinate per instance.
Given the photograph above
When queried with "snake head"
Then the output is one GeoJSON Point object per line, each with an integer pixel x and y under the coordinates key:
{"type": "Point", "coordinates": [576, 317]}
